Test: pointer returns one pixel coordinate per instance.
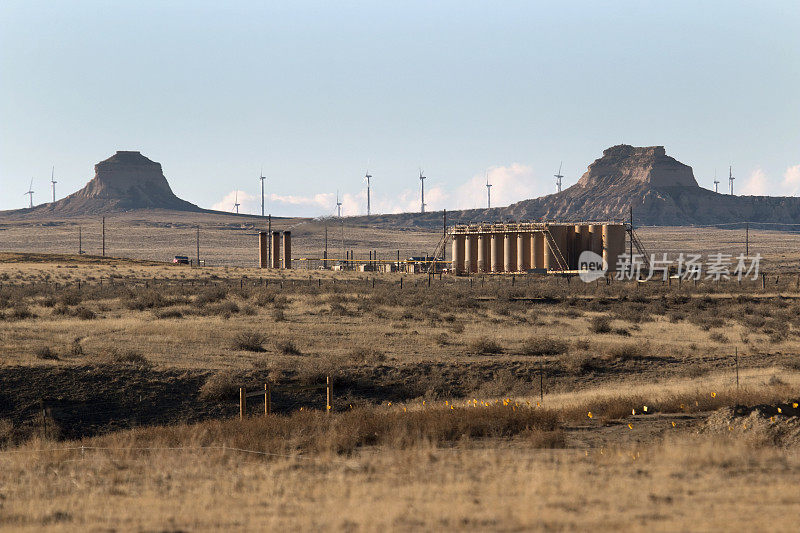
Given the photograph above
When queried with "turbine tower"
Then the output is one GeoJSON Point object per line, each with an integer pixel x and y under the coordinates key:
{"type": "Point", "coordinates": [731, 178]}
{"type": "Point", "coordinates": [30, 192]}
{"type": "Point", "coordinates": [236, 203]}
{"type": "Point", "coordinates": [716, 182]}
{"type": "Point", "coordinates": [53, 182]}
{"type": "Point", "coordinates": [262, 178]}
{"type": "Point", "coordinates": [338, 205]}
{"type": "Point", "coordinates": [368, 176]}
{"type": "Point", "coordinates": [422, 179]}
{"type": "Point", "coordinates": [488, 192]}
{"type": "Point", "coordinates": [559, 176]}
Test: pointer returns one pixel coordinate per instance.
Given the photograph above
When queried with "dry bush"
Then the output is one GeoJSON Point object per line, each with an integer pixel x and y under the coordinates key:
{"type": "Point", "coordinates": [250, 341]}
{"type": "Point", "coordinates": [600, 324]}
{"type": "Point", "coordinates": [211, 295]}
{"type": "Point", "coordinates": [46, 353]}
{"type": "Point", "coordinates": [577, 363]}
{"type": "Point", "coordinates": [218, 387]}
{"type": "Point", "coordinates": [504, 383]}
{"type": "Point", "coordinates": [127, 357]}
{"type": "Point", "coordinates": [625, 352]}
{"type": "Point", "coordinates": [278, 315]}
{"type": "Point", "coordinates": [486, 346]}
{"type": "Point", "coordinates": [21, 312]}
{"type": "Point", "coordinates": [84, 313]}
{"type": "Point", "coordinates": [345, 432]}
{"type": "Point", "coordinates": [718, 337]}
{"type": "Point", "coordinates": [287, 347]}
{"type": "Point", "coordinates": [168, 313]}
{"type": "Point", "coordinates": [367, 356]}
{"type": "Point", "coordinates": [543, 345]}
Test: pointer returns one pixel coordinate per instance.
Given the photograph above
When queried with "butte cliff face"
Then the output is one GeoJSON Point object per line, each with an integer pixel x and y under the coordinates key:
{"type": "Point", "coordinates": [125, 181]}
{"type": "Point", "coordinates": [660, 189]}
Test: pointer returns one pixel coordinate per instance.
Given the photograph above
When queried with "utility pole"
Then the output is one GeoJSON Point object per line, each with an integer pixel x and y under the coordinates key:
{"type": "Point", "coordinates": [747, 239]}
{"type": "Point", "coordinates": [325, 253]}
{"type": "Point", "coordinates": [630, 239]}
{"type": "Point", "coordinates": [197, 242]}
{"type": "Point", "coordinates": [488, 192]}
{"type": "Point", "coordinates": [104, 236]}
{"type": "Point", "coordinates": [80, 241]}
{"type": "Point", "coordinates": [731, 178]}
{"type": "Point", "coordinates": [269, 241]}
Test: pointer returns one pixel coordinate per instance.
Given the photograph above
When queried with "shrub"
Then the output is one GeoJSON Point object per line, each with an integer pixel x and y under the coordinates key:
{"type": "Point", "coordinates": [577, 362]}
{"type": "Point", "coordinates": [718, 337]}
{"type": "Point", "coordinates": [220, 386]}
{"type": "Point", "coordinates": [21, 312]}
{"type": "Point", "coordinates": [486, 346]}
{"type": "Point", "coordinates": [625, 352]}
{"type": "Point", "coordinates": [128, 357]}
{"type": "Point", "coordinates": [169, 313]}
{"type": "Point", "coordinates": [278, 315]}
{"type": "Point", "coordinates": [211, 295]}
{"type": "Point", "coordinates": [46, 353]}
{"type": "Point", "coordinates": [544, 346]}
{"type": "Point", "coordinates": [600, 324]}
{"type": "Point", "coordinates": [367, 356]}
{"type": "Point", "coordinates": [287, 347]}
{"type": "Point", "coordinates": [250, 341]}
{"type": "Point", "coordinates": [84, 313]}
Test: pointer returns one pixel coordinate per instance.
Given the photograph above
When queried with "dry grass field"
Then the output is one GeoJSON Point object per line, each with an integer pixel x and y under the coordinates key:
{"type": "Point", "coordinates": [491, 403]}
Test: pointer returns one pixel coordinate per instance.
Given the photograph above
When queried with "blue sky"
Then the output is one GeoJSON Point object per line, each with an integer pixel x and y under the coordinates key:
{"type": "Point", "coordinates": [316, 92]}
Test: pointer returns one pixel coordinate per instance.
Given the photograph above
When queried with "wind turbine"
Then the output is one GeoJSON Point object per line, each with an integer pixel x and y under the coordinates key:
{"type": "Point", "coordinates": [53, 182]}
{"type": "Point", "coordinates": [422, 179]}
{"type": "Point", "coordinates": [236, 203]}
{"type": "Point", "coordinates": [262, 178]}
{"type": "Point", "coordinates": [30, 192]}
{"type": "Point", "coordinates": [731, 178]}
{"type": "Point", "coordinates": [488, 192]}
{"type": "Point", "coordinates": [338, 205]}
{"type": "Point", "coordinates": [559, 176]}
{"type": "Point", "coordinates": [716, 182]}
{"type": "Point", "coordinates": [368, 176]}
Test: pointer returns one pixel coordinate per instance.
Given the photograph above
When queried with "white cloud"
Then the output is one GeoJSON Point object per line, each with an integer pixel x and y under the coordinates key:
{"type": "Point", "coordinates": [248, 202]}
{"type": "Point", "coordinates": [791, 180]}
{"type": "Point", "coordinates": [510, 184]}
{"type": "Point", "coordinates": [756, 184]}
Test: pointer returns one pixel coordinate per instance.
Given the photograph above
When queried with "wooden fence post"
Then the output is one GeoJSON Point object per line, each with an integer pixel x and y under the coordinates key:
{"type": "Point", "coordinates": [267, 399]}
{"type": "Point", "coordinates": [329, 391]}
{"type": "Point", "coordinates": [242, 403]}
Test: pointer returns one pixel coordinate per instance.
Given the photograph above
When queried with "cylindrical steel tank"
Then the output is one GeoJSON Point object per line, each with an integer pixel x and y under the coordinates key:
{"type": "Point", "coordinates": [537, 250]}
{"type": "Point", "coordinates": [471, 254]}
{"type": "Point", "coordinates": [484, 263]}
{"type": "Point", "coordinates": [287, 249]}
{"type": "Point", "coordinates": [263, 249]}
{"type": "Point", "coordinates": [497, 252]}
{"type": "Point", "coordinates": [551, 255]}
{"type": "Point", "coordinates": [596, 238]}
{"type": "Point", "coordinates": [582, 241]}
{"type": "Point", "coordinates": [523, 251]}
{"type": "Point", "coordinates": [276, 249]}
{"type": "Point", "coordinates": [510, 252]}
{"type": "Point", "coordinates": [459, 245]}
{"type": "Point", "coordinates": [613, 244]}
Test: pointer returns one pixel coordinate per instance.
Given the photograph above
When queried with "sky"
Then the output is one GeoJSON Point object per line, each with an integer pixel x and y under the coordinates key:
{"type": "Point", "coordinates": [318, 93]}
